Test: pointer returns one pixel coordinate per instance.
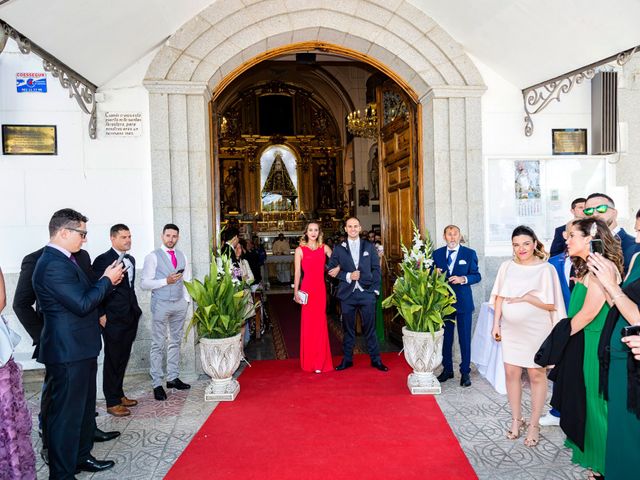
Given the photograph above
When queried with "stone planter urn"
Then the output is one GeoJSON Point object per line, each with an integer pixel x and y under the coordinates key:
{"type": "Point", "coordinates": [220, 359]}
{"type": "Point", "coordinates": [423, 352]}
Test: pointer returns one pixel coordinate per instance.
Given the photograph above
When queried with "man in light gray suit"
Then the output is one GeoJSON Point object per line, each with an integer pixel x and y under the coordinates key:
{"type": "Point", "coordinates": [164, 272]}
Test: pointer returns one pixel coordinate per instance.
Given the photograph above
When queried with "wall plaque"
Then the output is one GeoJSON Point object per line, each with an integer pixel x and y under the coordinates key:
{"type": "Point", "coordinates": [29, 140]}
{"type": "Point", "coordinates": [569, 141]}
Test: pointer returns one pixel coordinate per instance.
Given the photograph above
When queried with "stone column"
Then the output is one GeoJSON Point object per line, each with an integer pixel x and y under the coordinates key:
{"type": "Point", "coordinates": [181, 173]}
{"type": "Point", "coordinates": [452, 184]}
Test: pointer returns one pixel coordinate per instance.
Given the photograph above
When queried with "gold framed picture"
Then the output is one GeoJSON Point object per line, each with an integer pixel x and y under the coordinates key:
{"type": "Point", "coordinates": [29, 140]}
{"type": "Point", "coordinates": [569, 141]}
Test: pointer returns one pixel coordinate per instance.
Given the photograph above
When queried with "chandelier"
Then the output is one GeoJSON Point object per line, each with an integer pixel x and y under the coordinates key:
{"type": "Point", "coordinates": [366, 125]}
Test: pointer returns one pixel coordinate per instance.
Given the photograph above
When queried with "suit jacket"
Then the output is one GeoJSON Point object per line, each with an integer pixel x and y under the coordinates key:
{"type": "Point", "coordinates": [68, 301]}
{"type": "Point", "coordinates": [368, 265]}
{"type": "Point", "coordinates": [558, 263]}
{"type": "Point", "coordinates": [558, 245]}
{"type": "Point", "coordinates": [466, 266]}
{"type": "Point", "coordinates": [25, 298]}
{"type": "Point", "coordinates": [121, 303]}
{"type": "Point", "coordinates": [629, 246]}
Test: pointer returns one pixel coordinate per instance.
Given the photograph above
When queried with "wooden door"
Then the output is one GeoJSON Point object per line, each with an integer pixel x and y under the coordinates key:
{"type": "Point", "coordinates": [398, 172]}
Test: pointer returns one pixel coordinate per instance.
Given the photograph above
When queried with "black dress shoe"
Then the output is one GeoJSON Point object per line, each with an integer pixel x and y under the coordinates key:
{"type": "Point", "coordinates": [178, 384]}
{"type": "Point", "coordinates": [101, 436]}
{"type": "Point", "coordinates": [380, 366]}
{"type": "Point", "coordinates": [91, 464]}
{"type": "Point", "coordinates": [159, 393]}
{"type": "Point", "coordinates": [344, 364]}
{"type": "Point", "coordinates": [465, 381]}
{"type": "Point", "coordinates": [444, 376]}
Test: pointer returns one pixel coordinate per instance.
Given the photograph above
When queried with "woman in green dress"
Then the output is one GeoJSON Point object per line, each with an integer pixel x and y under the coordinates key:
{"type": "Point", "coordinates": [588, 309]}
{"type": "Point", "coordinates": [623, 379]}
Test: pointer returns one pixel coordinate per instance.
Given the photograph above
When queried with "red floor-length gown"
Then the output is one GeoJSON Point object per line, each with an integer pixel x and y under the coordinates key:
{"type": "Point", "coordinates": [315, 352]}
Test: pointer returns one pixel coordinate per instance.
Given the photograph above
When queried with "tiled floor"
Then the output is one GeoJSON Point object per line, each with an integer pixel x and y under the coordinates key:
{"type": "Point", "coordinates": [158, 432]}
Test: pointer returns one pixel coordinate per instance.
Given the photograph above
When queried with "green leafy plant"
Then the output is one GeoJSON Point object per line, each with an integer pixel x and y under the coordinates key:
{"type": "Point", "coordinates": [223, 303]}
{"type": "Point", "coordinates": [421, 293]}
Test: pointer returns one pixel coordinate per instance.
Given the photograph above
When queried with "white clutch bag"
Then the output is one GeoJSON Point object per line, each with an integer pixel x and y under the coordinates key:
{"type": "Point", "coordinates": [303, 297]}
{"type": "Point", "coordinates": [9, 340]}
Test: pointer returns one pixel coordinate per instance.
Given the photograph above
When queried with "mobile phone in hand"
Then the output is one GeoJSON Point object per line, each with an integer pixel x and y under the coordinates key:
{"type": "Point", "coordinates": [630, 330]}
{"type": "Point", "coordinates": [596, 246]}
{"type": "Point", "coordinates": [180, 271]}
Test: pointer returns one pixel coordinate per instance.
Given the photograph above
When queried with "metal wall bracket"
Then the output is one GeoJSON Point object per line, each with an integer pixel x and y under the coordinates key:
{"type": "Point", "coordinates": [80, 89]}
{"type": "Point", "coordinates": [538, 97]}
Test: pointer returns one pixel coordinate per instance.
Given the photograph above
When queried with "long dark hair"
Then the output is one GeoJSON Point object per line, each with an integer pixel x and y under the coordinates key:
{"type": "Point", "coordinates": [538, 249]}
{"type": "Point", "coordinates": [611, 243]}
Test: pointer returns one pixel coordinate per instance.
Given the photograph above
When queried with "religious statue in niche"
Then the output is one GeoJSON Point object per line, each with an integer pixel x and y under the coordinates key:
{"type": "Point", "coordinates": [279, 193]}
{"type": "Point", "coordinates": [363, 198]}
{"type": "Point", "coordinates": [374, 174]}
{"type": "Point", "coordinates": [231, 189]}
{"type": "Point", "coordinates": [326, 190]}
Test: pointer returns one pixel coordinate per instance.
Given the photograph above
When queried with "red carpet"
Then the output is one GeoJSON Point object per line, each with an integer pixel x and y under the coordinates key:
{"type": "Point", "coordinates": [286, 312]}
{"type": "Point", "coordinates": [355, 424]}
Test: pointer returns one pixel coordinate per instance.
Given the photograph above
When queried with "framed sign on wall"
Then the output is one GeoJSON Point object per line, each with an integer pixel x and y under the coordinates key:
{"type": "Point", "coordinates": [29, 140]}
{"type": "Point", "coordinates": [569, 141]}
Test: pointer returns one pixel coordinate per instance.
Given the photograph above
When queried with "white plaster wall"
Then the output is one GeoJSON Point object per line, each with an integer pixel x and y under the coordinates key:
{"type": "Point", "coordinates": [107, 179]}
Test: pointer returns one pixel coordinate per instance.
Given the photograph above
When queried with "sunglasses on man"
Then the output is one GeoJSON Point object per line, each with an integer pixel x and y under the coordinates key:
{"type": "Point", "coordinates": [600, 209]}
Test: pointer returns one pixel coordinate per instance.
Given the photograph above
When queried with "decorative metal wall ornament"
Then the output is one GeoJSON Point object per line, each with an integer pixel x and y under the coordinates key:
{"type": "Point", "coordinates": [364, 126]}
{"type": "Point", "coordinates": [538, 97]}
{"type": "Point", "coordinates": [80, 89]}
{"type": "Point", "coordinates": [393, 107]}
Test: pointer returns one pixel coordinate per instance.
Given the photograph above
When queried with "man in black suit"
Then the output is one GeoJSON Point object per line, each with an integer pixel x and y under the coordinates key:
{"type": "Point", "coordinates": [119, 322]}
{"type": "Point", "coordinates": [558, 244]}
{"type": "Point", "coordinates": [31, 319]}
{"type": "Point", "coordinates": [70, 344]}
{"type": "Point", "coordinates": [360, 281]}
{"type": "Point", "coordinates": [600, 205]}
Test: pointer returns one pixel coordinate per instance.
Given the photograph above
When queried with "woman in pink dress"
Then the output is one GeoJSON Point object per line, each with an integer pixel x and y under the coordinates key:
{"type": "Point", "coordinates": [310, 258]}
{"type": "Point", "coordinates": [17, 458]}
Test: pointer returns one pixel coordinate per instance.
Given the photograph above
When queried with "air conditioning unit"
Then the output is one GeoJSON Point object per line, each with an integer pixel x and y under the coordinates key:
{"type": "Point", "coordinates": [604, 113]}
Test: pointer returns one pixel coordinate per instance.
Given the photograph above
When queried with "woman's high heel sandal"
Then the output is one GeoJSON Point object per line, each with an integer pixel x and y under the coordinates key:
{"type": "Point", "coordinates": [511, 434]}
{"type": "Point", "coordinates": [532, 440]}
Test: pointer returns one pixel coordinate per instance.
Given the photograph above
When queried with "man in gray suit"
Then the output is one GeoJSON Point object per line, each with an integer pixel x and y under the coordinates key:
{"type": "Point", "coordinates": [164, 272]}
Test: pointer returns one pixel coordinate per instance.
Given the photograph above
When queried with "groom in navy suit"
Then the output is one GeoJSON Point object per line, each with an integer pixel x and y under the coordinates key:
{"type": "Point", "coordinates": [460, 264]}
{"type": "Point", "coordinates": [359, 286]}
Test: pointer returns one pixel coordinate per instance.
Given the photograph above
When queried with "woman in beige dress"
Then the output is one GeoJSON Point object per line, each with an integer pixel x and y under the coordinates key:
{"type": "Point", "coordinates": [527, 299]}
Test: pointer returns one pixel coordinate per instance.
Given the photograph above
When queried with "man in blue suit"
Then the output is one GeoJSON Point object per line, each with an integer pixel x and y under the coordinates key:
{"type": "Point", "coordinates": [602, 206]}
{"type": "Point", "coordinates": [359, 286]}
{"type": "Point", "coordinates": [460, 264]}
{"type": "Point", "coordinates": [70, 344]}
{"type": "Point", "coordinates": [558, 245]}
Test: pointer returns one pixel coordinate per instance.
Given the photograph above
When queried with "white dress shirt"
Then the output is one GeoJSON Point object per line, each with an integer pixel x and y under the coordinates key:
{"type": "Point", "coordinates": [149, 282]}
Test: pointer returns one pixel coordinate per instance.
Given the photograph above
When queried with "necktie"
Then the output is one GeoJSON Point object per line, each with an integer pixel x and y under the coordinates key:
{"type": "Point", "coordinates": [73, 259]}
{"type": "Point", "coordinates": [174, 260]}
{"type": "Point", "coordinates": [449, 257]}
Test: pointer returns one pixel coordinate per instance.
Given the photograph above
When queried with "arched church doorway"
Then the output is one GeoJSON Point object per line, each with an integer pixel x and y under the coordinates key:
{"type": "Point", "coordinates": [316, 135]}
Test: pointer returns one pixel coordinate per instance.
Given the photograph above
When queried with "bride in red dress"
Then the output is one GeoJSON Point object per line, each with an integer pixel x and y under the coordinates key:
{"type": "Point", "coordinates": [310, 257]}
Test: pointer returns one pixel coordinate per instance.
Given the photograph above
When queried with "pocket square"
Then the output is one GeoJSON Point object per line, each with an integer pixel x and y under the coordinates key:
{"type": "Point", "coordinates": [462, 262]}
{"type": "Point", "coordinates": [365, 254]}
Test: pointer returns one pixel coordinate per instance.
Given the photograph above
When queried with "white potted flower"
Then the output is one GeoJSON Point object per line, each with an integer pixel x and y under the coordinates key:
{"type": "Point", "coordinates": [423, 298]}
{"type": "Point", "coordinates": [222, 307]}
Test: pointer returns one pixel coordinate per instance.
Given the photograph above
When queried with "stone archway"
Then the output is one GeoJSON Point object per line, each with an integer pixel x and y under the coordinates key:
{"type": "Point", "coordinates": [225, 39]}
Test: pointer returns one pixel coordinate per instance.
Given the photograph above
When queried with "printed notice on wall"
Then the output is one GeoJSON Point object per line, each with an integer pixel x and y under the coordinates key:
{"type": "Point", "coordinates": [122, 124]}
{"type": "Point", "coordinates": [31, 82]}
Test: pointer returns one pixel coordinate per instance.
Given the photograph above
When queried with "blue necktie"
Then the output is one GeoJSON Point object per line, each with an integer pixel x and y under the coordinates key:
{"type": "Point", "coordinates": [449, 257]}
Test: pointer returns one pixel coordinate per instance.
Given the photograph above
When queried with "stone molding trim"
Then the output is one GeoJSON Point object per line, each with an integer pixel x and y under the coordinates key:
{"type": "Point", "coordinates": [453, 92]}
{"type": "Point", "coordinates": [178, 87]}
{"type": "Point", "coordinates": [227, 34]}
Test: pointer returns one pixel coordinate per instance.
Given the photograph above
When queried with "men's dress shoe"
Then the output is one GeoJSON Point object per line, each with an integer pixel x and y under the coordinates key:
{"type": "Point", "coordinates": [444, 376]}
{"type": "Point", "coordinates": [92, 464]}
{"type": "Point", "coordinates": [119, 411]}
{"type": "Point", "coordinates": [128, 402]}
{"type": "Point", "coordinates": [159, 393]}
{"type": "Point", "coordinates": [101, 436]}
{"type": "Point", "coordinates": [178, 384]}
{"type": "Point", "coordinates": [465, 381]}
{"type": "Point", "coordinates": [344, 364]}
{"type": "Point", "coordinates": [44, 453]}
{"type": "Point", "coordinates": [380, 366]}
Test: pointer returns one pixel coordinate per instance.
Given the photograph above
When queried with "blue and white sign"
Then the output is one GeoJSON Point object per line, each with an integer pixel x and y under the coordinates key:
{"type": "Point", "coordinates": [31, 82]}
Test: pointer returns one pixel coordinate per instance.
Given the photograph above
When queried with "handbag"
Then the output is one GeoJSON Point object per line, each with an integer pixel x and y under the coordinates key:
{"type": "Point", "coordinates": [9, 340]}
